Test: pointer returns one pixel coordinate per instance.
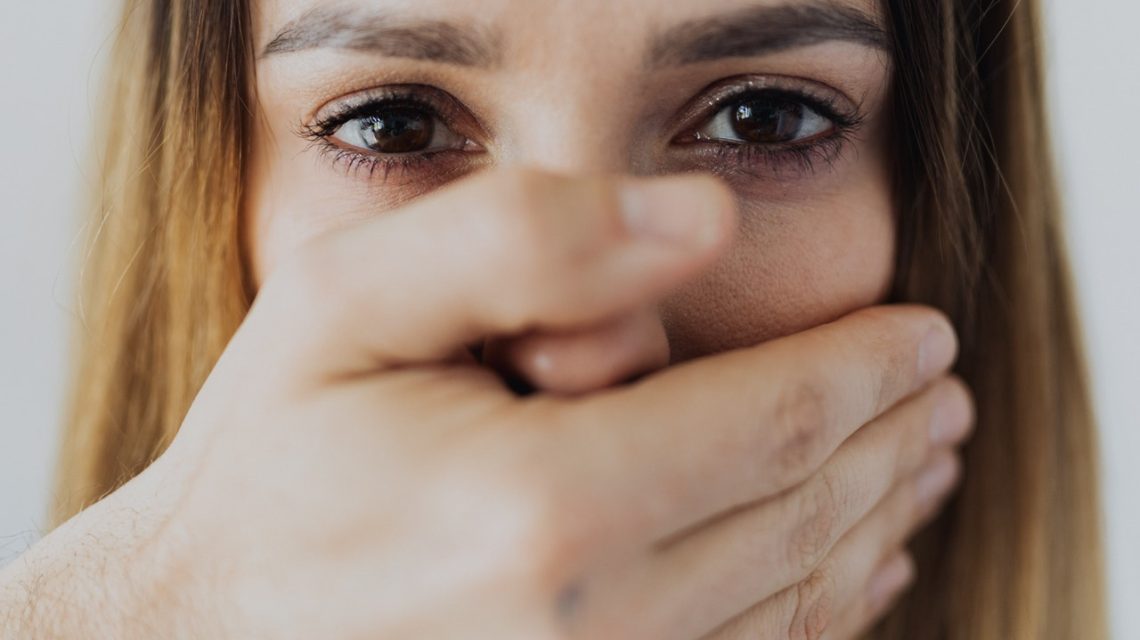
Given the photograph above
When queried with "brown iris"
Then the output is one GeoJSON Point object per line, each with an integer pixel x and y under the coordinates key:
{"type": "Point", "coordinates": [398, 130]}
{"type": "Point", "coordinates": [767, 120]}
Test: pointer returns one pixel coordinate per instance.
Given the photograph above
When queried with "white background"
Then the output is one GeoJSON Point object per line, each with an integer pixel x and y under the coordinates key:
{"type": "Point", "coordinates": [49, 76]}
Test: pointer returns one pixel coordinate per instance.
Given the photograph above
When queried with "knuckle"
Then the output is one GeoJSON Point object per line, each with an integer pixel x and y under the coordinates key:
{"type": "Point", "coordinates": [543, 232]}
{"type": "Point", "coordinates": [601, 204]}
{"type": "Point", "coordinates": [555, 549]}
{"type": "Point", "coordinates": [516, 231]}
{"type": "Point", "coordinates": [515, 243]}
{"type": "Point", "coordinates": [894, 369]}
{"type": "Point", "coordinates": [818, 522]}
{"type": "Point", "coordinates": [537, 524]}
{"type": "Point", "coordinates": [893, 361]}
{"type": "Point", "coordinates": [524, 186]}
{"type": "Point", "coordinates": [904, 514]}
{"type": "Point", "coordinates": [519, 218]}
{"type": "Point", "coordinates": [815, 605]}
{"type": "Point", "coordinates": [507, 207]}
{"type": "Point", "coordinates": [801, 425]}
{"type": "Point", "coordinates": [588, 206]}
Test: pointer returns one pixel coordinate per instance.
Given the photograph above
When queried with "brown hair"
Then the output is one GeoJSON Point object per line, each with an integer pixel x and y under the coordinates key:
{"type": "Point", "coordinates": [1017, 555]}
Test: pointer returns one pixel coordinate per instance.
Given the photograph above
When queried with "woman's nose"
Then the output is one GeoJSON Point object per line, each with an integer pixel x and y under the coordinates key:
{"type": "Point", "coordinates": [619, 350]}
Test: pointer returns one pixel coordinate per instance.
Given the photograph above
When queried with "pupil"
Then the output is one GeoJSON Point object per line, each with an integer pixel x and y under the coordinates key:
{"type": "Point", "coordinates": [768, 121]}
{"type": "Point", "coordinates": [398, 131]}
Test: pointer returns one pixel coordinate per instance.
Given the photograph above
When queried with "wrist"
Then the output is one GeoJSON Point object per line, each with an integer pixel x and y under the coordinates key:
{"type": "Point", "coordinates": [101, 574]}
{"type": "Point", "coordinates": [70, 583]}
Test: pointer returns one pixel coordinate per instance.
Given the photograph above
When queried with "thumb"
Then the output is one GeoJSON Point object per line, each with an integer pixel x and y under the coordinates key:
{"type": "Point", "coordinates": [503, 253]}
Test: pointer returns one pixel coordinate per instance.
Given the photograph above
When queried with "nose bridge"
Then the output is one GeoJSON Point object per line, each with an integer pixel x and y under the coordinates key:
{"type": "Point", "coordinates": [570, 106]}
{"type": "Point", "coordinates": [568, 134]}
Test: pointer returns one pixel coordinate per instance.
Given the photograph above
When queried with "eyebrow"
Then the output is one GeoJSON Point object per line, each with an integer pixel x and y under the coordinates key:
{"type": "Point", "coordinates": [755, 31]}
{"type": "Point", "coordinates": [752, 31]}
{"type": "Point", "coordinates": [434, 40]}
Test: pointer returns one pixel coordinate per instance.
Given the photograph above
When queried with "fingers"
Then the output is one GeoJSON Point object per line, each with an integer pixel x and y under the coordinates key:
{"type": "Point", "coordinates": [712, 434]}
{"type": "Point", "coordinates": [500, 254]}
{"type": "Point", "coordinates": [889, 581]}
{"type": "Point", "coordinates": [713, 572]}
{"type": "Point", "coordinates": [584, 360]}
{"type": "Point", "coordinates": [857, 582]}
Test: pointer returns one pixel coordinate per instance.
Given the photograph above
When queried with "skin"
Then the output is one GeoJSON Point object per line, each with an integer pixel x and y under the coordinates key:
{"type": "Point", "coordinates": [814, 245]}
{"type": "Point", "coordinates": [760, 492]}
{"type": "Point", "coordinates": [347, 471]}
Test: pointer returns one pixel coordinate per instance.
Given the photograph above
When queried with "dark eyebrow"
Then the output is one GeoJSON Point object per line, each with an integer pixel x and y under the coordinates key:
{"type": "Point", "coordinates": [434, 40]}
{"type": "Point", "coordinates": [754, 31]}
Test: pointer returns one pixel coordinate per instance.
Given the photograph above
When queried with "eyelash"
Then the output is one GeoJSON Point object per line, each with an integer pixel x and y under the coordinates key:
{"type": "Point", "coordinates": [748, 159]}
{"type": "Point", "coordinates": [354, 162]}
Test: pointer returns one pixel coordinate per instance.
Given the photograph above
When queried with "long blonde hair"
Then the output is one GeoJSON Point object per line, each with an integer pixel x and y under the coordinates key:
{"type": "Point", "coordinates": [1017, 555]}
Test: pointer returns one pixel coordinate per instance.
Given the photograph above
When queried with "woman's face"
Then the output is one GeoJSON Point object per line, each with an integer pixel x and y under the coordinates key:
{"type": "Point", "coordinates": [366, 104]}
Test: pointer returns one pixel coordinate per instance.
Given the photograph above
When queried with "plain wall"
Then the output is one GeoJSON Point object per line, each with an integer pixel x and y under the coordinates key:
{"type": "Point", "coordinates": [1095, 61]}
{"type": "Point", "coordinates": [49, 77]}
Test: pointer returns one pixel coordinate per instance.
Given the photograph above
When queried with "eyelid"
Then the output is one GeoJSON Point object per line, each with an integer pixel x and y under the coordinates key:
{"type": "Point", "coordinates": [717, 95]}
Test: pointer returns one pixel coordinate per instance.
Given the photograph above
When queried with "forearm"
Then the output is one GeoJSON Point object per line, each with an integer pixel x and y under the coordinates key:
{"type": "Point", "coordinates": [109, 572]}
{"type": "Point", "coordinates": [76, 582]}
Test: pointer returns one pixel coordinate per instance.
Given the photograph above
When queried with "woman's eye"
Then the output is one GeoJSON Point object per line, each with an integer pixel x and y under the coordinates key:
{"type": "Point", "coordinates": [765, 120]}
{"type": "Point", "coordinates": [397, 130]}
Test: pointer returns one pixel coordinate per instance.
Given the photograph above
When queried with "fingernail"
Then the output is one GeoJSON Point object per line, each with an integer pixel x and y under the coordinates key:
{"type": "Point", "coordinates": [934, 481]}
{"type": "Point", "coordinates": [937, 351]}
{"type": "Point", "coordinates": [889, 579]}
{"type": "Point", "coordinates": [691, 212]}
{"type": "Point", "coordinates": [950, 420]}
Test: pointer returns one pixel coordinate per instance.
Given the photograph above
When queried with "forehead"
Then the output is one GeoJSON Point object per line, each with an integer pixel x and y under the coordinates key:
{"type": "Point", "coordinates": [523, 27]}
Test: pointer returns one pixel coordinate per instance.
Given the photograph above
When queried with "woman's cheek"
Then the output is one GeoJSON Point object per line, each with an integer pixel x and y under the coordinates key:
{"type": "Point", "coordinates": [794, 266]}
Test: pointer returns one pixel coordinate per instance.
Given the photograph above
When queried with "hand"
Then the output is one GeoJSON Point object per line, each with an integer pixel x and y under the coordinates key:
{"type": "Point", "coordinates": [588, 359]}
{"type": "Point", "coordinates": [348, 470]}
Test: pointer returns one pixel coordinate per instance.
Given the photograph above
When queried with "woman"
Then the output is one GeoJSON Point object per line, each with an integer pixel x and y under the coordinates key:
{"type": "Point", "coordinates": [394, 182]}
